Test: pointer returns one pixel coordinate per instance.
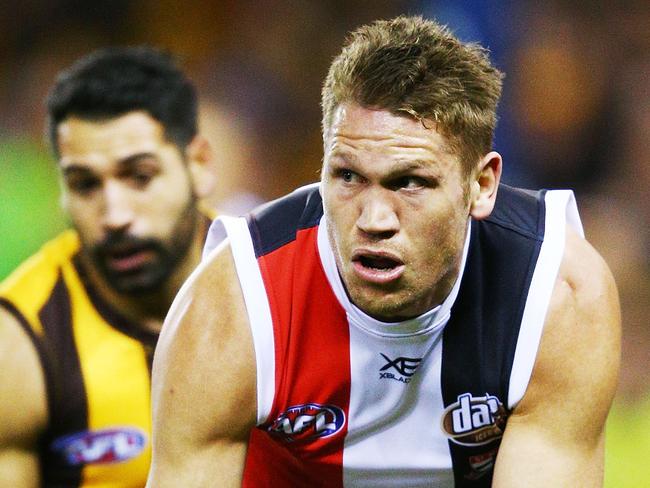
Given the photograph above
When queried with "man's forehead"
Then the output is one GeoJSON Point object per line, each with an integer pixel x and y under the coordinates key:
{"type": "Point", "coordinates": [114, 139]}
{"type": "Point", "coordinates": [350, 112]}
{"type": "Point", "coordinates": [352, 123]}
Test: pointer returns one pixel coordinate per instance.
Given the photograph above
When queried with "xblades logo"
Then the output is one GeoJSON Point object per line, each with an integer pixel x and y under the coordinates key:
{"type": "Point", "coordinates": [406, 368]}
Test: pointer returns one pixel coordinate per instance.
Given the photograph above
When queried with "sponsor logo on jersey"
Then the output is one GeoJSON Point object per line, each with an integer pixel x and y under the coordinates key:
{"type": "Point", "coordinates": [308, 421]}
{"type": "Point", "coordinates": [474, 421]}
{"type": "Point", "coordinates": [100, 446]}
{"type": "Point", "coordinates": [405, 367]}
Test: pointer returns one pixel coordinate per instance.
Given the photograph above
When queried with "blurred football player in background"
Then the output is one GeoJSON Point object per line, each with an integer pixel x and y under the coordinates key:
{"type": "Point", "coordinates": [80, 319]}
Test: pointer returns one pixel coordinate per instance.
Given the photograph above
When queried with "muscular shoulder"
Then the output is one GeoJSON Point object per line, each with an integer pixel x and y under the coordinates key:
{"type": "Point", "coordinates": [209, 302]}
{"type": "Point", "coordinates": [206, 341]}
{"type": "Point", "coordinates": [23, 405]}
{"type": "Point", "coordinates": [584, 307]}
{"type": "Point", "coordinates": [579, 353]}
{"type": "Point", "coordinates": [587, 275]}
{"type": "Point", "coordinates": [555, 436]}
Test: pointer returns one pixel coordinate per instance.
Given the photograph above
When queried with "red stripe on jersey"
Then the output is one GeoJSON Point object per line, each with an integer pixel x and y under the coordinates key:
{"type": "Point", "coordinates": [312, 372]}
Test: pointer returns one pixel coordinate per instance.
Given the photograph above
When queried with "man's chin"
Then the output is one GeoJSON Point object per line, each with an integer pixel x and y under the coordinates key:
{"type": "Point", "coordinates": [144, 282]}
{"type": "Point", "coordinates": [385, 308]}
{"type": "Point", "coordinates": [136, 289]}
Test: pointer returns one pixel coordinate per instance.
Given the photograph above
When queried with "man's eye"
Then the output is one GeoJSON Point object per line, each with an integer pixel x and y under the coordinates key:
{"type": "Point", "coordinates": [409, 183]}
{"type": "Point", "coordinates": [83, 185]}
{"type": "Point", "coordinates": [347, 175]}
{"type": "Point", "coordinates": [141, 179]}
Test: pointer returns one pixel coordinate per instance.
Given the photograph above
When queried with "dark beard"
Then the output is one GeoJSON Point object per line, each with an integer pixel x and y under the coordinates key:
{"type": "Point", "coordinates": [150, 277]}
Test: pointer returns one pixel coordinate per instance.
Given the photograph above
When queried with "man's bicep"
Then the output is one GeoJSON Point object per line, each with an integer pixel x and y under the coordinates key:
{"type": "Point", "coordinates": [555, 435]}
{"type": "Point", "coordinates": [23, 405]}
{"type": "Point", "coordinates": [203, 393]}
{"type": "Point", "coordinates": [534, 455]}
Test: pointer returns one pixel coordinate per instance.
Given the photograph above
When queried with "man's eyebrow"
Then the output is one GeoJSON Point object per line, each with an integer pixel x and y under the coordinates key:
{"type": "Point", "coordinates": [75, 168]}
{"type": "Point", "coordinates": [134, 159]}
{"type": "Point", "coordinates": [411, 164]}
{"type": "Point", "coordinates": [125, 163]}
{"type": "Point", "coordinates": [344, 155]}
{"type": "Point", "coordinates": [399, 166]}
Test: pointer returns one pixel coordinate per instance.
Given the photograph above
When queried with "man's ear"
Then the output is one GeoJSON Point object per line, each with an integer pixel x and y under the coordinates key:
{"type": "Point", "coordinates": [201, 165]}
{"type": "Point", "coordinates": [484, 185]}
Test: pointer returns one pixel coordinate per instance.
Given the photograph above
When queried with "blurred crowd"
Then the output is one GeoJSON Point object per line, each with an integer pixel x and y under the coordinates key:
{"type": "Point", "coordinates": [575, 114]}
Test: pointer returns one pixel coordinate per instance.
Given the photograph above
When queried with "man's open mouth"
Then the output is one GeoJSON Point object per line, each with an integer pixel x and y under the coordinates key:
{"type": "Point", "coordinates": [377, 267]}
{"type": "Point", "coordinates": [129, 258]}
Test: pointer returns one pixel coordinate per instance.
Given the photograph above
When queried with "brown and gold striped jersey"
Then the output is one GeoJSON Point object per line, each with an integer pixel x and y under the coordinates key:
{"type": "Point", "coordinates": [97, 368]}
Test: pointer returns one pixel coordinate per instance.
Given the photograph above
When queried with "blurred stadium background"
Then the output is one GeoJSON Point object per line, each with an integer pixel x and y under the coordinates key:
{"type": "Point", "coordinates": [575, 113]}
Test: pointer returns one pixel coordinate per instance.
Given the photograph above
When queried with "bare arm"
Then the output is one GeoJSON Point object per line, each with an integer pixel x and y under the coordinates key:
{"type": "Point", "coordinates": [23, 405]}
{"type": "Point", "coordinates": [204, 396]}
{"type": "Point", "coordinates": [555, 435]}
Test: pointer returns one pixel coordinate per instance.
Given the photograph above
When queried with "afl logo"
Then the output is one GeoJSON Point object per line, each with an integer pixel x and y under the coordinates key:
{"type": "Point", "coordinates": [100, 446]}
{"type": "Point", "coordinates": [474, 421]}
{"type": "Point", "coordinates": [308, 421]}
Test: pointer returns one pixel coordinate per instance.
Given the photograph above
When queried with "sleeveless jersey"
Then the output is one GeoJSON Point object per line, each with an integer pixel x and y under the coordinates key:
{"type": "Point", "coordinates": [97, 371]}
{"type": "Point", "coordinates": [344, 400]}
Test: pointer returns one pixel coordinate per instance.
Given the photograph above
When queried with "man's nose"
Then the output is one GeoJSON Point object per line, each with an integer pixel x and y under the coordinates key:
{"type": "Point", "coordinates": [378, 215]}
{"type": "Point", "coordinates": [117, 212]}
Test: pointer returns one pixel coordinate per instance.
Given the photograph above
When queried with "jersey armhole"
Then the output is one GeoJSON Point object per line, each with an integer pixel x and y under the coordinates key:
{"type": "Point", "coordinates": [256, 301]}
{"type": "Point", "coordinates": [561, 210]}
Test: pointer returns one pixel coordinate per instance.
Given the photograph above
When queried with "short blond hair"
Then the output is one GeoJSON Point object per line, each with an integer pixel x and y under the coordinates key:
{"type": "Point", "coordinates": [413, 66]}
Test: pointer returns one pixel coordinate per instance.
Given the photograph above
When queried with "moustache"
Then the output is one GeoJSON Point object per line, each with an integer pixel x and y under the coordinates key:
{"type": "Point", "coordinates": [119, 245]}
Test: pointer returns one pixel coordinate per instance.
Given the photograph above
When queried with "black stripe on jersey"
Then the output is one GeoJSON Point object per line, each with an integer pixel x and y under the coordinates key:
{"type": "Point", "coordinates": [43, 353]}
{"type": "Point", "coordinates": [69, 407]}
{"type": "Point", "coordinates": [480, 339]}
{"type": "Point", "coordinates": [148, 352]}
{"type": "Point", "coordinates": [276, 223]}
